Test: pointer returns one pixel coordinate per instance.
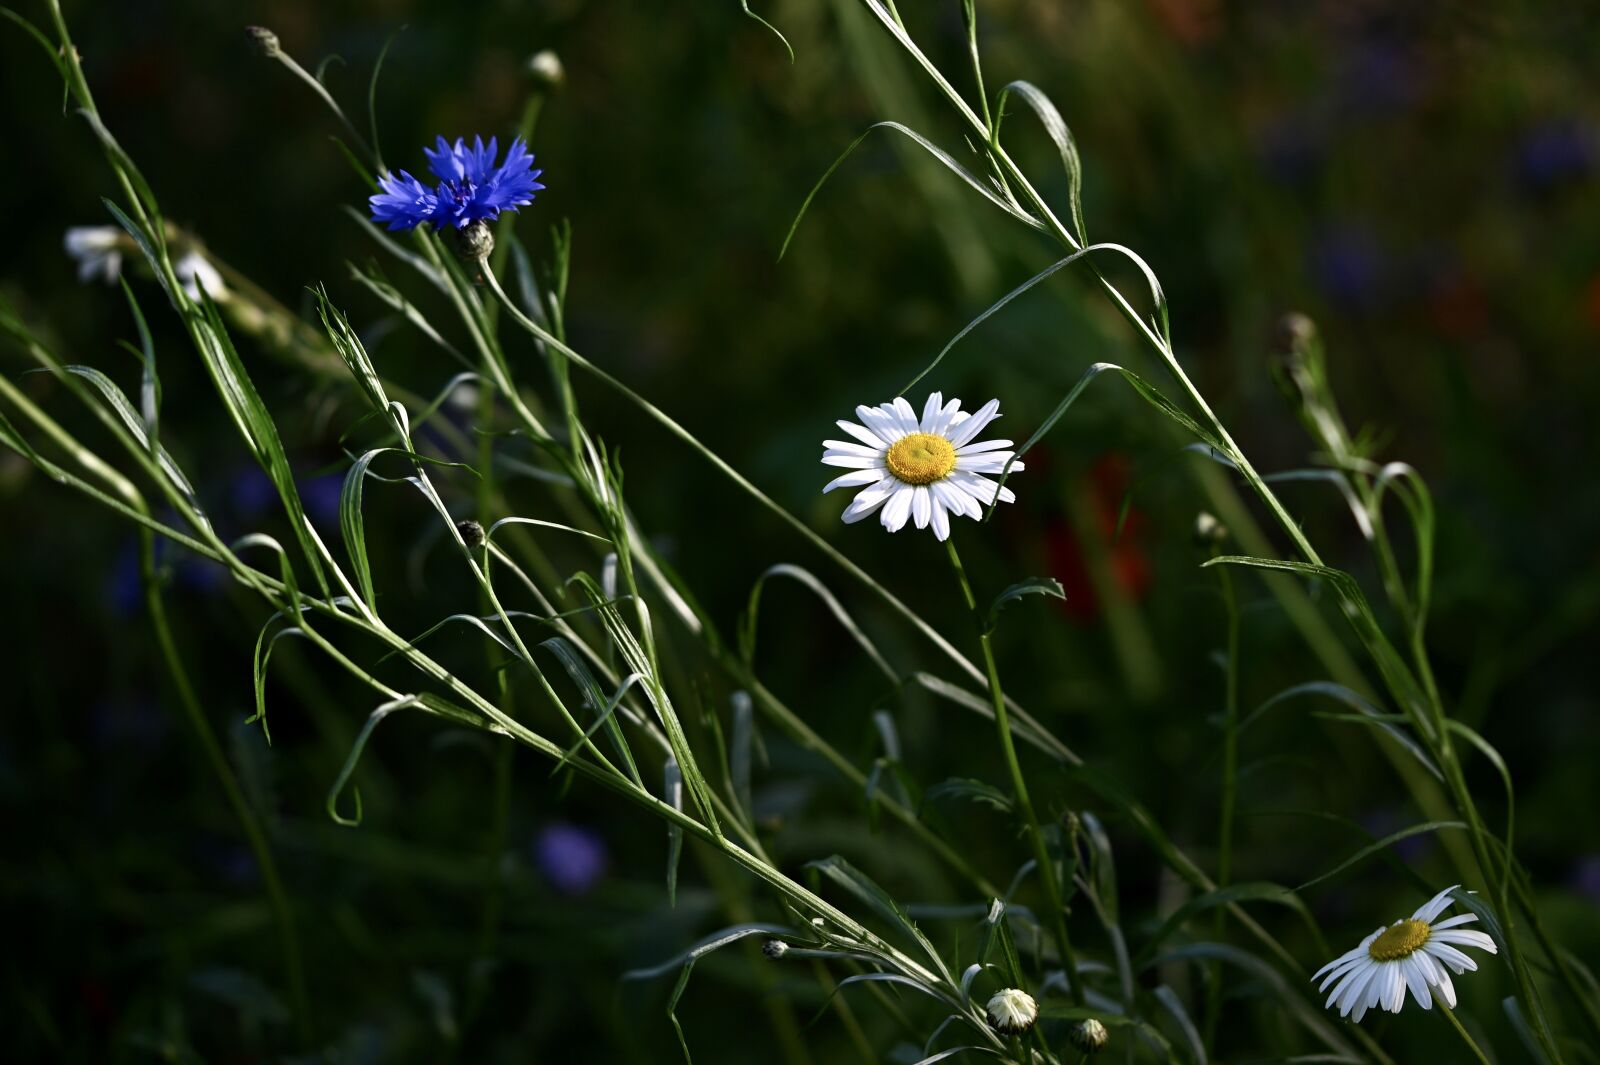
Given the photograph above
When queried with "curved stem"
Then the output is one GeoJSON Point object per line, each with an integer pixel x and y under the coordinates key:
{"type": "Point", "coordinates": [1019, 784]}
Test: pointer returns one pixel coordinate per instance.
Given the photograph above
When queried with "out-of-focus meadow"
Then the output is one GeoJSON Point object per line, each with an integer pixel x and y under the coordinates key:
{"type": "Point", "coordinates": [1420, 179]}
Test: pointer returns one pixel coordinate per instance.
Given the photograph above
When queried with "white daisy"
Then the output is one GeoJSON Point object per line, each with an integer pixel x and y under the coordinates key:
{"type": "Point", "coordinates": [97, 251]}
{"type": "Point", "coordinates": [196, 272]}
{"type": "Point", "coordinates": [1413, 953]}
{"type": "Point", "coordinates": [920, 470]}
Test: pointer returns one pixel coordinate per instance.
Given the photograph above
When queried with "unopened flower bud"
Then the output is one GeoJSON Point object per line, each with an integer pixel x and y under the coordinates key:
{"type": "Point", "coordinates": [1090, 1036]}
{"type": "Point", "coordinates": [546, 70]}
{"type": "Point", "coordinates": [1208, 530]}
{"type": "Point", "coordinates": [1294, 332]}
{"type": "Point", "coordinates": [471, 532]}
{"type": "Point", "coordinates": [266, 40]}
{"type": "Point", "coordinates": [474, 241]}
{"type": "Point", "coordinates": [1012, 1011]}
{"type": "Point", "coordinates": [774, 948]}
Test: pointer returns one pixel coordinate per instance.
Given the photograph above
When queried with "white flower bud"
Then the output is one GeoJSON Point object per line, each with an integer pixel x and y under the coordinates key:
{"type": "Point", "coordinates": [1012, 1011]}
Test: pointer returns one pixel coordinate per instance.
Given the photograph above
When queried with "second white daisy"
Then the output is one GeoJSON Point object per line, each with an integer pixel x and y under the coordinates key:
{"type": "Point", "coordinates": [920, 470]}
{"type": "Point", "coordinates": [1415, 953]}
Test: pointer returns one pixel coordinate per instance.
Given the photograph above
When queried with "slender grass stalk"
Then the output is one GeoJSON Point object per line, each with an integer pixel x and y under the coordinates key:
{"type": "Point", "coordinates": [1019, 783]}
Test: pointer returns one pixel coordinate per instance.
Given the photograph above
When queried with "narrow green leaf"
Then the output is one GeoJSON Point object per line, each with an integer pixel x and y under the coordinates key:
{"type": "Point", "coordinates": [1031, 586]}
{"type": "Point", "coordinates": [1373, 848]}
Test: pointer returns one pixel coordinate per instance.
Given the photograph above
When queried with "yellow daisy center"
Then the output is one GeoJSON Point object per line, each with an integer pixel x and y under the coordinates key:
{"type": "Point", "coordinates": [921, 458]}
{"type": "Point", "coordinates": [1400, 940]}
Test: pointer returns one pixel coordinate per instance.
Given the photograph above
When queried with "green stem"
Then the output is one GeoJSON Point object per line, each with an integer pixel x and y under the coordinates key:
{"type": "Point", "coordinates": [1455, 1023]}
{"type": "Point", "coordinates": [1008, 748]}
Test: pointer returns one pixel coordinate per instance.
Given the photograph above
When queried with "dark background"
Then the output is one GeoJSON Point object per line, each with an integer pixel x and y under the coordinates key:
{"type": "Point", "coordinates": [1419, 179]}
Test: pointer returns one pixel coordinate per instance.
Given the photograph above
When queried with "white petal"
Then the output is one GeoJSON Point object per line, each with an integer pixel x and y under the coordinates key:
{"type": "Point", "coordinates": [982, 446]}
{"type": "Point", "coordinates": [957, 501]}
{"type": "Point", "coordinates": [1434, 906]}
{"type": "Point", "coordinates": [907, 413]}
{"type": "Point", "coordinates": [1447, 990]}
{"type": "Point", "coordinates": [1465, 937]}
{"type": "Point", "coordinates": [1448, 955]}
{"type": "Point", "coordinates": [941, 424]}
{"type": "Point", "coordinates": [979, 487]}
{"type": "Point", "coordinates": [879, 422]}
{"type": "Point", "coordinates": [852, 462]}
{"type": "Point", "coordinates": [941, 519]}
{"type": "Point", "coordinates": [1459, 919]}
{"type": "Point", "coordinates": [1417, 981]}
{"type": "Point", "coordinates": [848, 447]}
{"type": "Point", "coordinates": [856, 477]}
{"type": "Point", "coordinates": [1336, 969]}
{"type": "Point", "coordinates": [866, 436]}
{"type": "Point", "coordinates": [1396, 988]}
{"type": "Point", "coordinates": [995, 463]}
{"type": "Point", "coordinates": [898, 509]}
{"type": "Point", "coordinates": [868, 500]}
{"type": "Point", "coordinates": [972, 426]}
{"type": "Point", "coordinates": [1347, 956]}
{"type": "Point", "coordinates": [1355, 990]}
{"type": "Point", "coordinates": [930, 411]}
{"type": "Point", "coordinates": [921, 506]}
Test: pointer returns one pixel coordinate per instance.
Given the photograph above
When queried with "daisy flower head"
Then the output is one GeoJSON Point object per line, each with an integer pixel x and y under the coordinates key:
{"type": "Point", "coordinates": [1418, 953]}
{"type": "Point", "coordinates": [472, 186]}
{"type": "Point", "coordinates": [921, 470]}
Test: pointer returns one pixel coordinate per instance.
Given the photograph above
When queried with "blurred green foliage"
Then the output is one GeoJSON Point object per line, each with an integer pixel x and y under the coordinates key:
{"type": "Point", "coordinates": [1419, 178]}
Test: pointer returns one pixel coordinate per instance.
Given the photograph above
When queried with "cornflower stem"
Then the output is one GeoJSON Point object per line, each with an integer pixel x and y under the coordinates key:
{"type": "Point", "coordinates": [1008, 748]}
{"type": "Point", "coordinates": [1455, 1023]}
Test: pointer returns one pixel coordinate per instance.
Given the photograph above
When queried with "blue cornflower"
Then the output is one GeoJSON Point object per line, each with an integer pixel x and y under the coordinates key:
{"type": "Point", "coordinates": [471, 187]}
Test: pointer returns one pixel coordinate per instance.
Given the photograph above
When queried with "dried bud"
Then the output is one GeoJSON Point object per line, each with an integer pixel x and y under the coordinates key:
{"type": "Point", "coordinates": [774, 948]}
{"type": "Point", "coordinates": [1090, 1036]}
{"type": "Point", "coordinates": [546, 71]}
{"type": "Point", "coordinates": [471, 532]}
{"type": "Point", "coordinates": [266, 40]}
{"type": "Point", "coordinates": [1208, 530]}
{"type": "Point", "coordinates": [474, 241]}
{"type": "Point", "coordinates": [1012, 1011]}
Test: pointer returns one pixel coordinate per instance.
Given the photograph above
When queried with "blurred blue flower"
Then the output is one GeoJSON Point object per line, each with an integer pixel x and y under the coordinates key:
{"type": "Point", "coordinates": [1554, 154]}
{"type": "Point", "coordinates": [1586, 878]}
{"type": "Point", "coordinates": [571, 858]}
{"type": "Point", "coordinates": [320, 496]}
{"type": "Point", "coordinates": [1378, 77]}
{"type": "Point", "coordinates": [1349, 266]}
{"type": "Point", "coordinates": [472, 188]}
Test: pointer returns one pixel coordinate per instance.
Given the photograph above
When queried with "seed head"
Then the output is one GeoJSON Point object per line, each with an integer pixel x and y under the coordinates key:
{"type": "Point", "coordinates": [474, 241]}
{"type": "Point", "coordinates": [266, 40]}
{"type": "Point", "coordinates": [1012, 1011]}
{"type": "Point", "coordinates": [471, 532]}
{"type": "Point", "coordinates": [1090, 1036]}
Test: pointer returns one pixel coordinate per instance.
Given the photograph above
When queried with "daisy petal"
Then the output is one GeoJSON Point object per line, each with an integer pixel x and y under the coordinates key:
{"type": "Point", "coordinates": [930, 411]}
{"type": "Point", "coordinates": [972, 426]}
{"type": "Point", "coordinates": [921, 506]}
{"type": "Point", "coordinates": [1434, 906]}
{"type": "Point", "coordinates": [866, 436]}
{"type": "Point", "coordinates": [857, 477]}
{"type": "Point", "coordinates": [898, 509]}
